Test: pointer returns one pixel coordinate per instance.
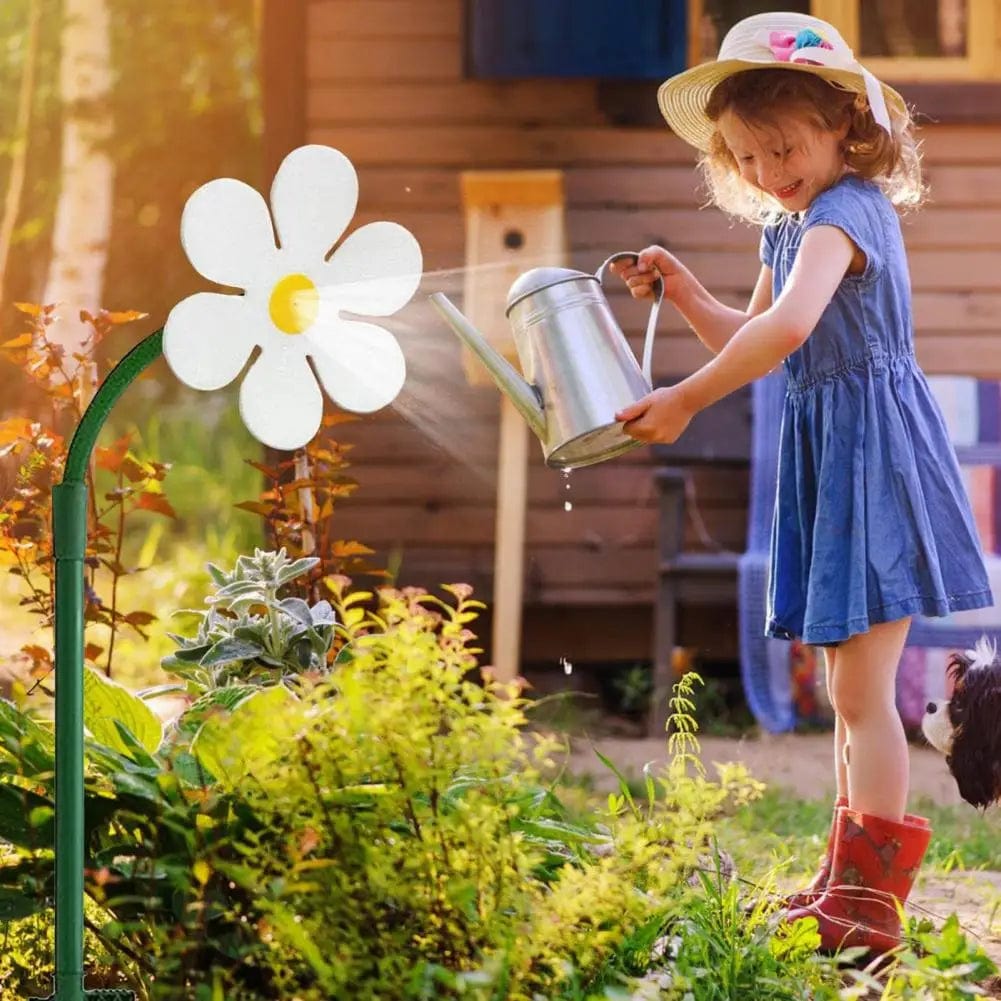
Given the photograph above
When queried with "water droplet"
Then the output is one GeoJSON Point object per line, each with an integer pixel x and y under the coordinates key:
{"type": "Point", "coordinates": [407, 189]}
{"type": "Point", "coordinates": [567, 665]}
{"type": "Point", "coordinates": [568, 505]}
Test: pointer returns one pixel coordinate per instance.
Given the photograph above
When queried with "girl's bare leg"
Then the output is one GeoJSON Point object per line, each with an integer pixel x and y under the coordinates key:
{"type": "Point", "coordinates": [840, 730]}
{"type": "Point", "coordinates": [864, 697]}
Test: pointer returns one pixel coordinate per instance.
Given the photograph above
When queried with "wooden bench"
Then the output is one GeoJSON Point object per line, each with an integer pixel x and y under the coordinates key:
{"type": "Point", "coordinates": [718, 436]}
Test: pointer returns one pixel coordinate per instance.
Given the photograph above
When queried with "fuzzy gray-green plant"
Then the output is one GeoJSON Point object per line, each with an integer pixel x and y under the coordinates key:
{"type": "Point", "coordinates": [249, 634]}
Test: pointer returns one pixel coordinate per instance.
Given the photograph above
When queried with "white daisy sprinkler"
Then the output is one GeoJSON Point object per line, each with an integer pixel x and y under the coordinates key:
{"type": "Point", "coordinates": [293, 297]}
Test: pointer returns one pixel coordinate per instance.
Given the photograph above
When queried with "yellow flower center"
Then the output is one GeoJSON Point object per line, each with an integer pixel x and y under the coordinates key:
{"type": "Point", "coordinates": [294, 304]}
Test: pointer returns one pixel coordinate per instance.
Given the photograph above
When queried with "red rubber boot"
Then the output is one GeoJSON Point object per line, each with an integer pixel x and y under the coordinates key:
{"type": "Point", "coordinates": [815, 888]}
{"type": "Point", "coordinates": [874, 866]}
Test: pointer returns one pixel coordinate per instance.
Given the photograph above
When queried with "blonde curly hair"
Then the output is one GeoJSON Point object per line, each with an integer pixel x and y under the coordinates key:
{"type": "Point", "coordinates": [762, 97]}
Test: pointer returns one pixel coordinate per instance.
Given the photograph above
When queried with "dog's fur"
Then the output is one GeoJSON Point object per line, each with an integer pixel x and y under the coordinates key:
{"type": "Point", "coordinates": [966, 728]}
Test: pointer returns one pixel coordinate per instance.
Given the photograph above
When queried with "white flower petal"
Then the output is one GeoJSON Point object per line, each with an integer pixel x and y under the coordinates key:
{"type": "Point", "coordinates": [375, 271]}
{"type": "Point", "coordinates": [313, 197]}
{"type": "Point", "coordinates": [360, 365]}
{"type": "Point", "coordinates": [208, 338]}
{"type": "Point", "coordinates": [280, 401]}
{"type": "Point", "coordinates": [226, 233]}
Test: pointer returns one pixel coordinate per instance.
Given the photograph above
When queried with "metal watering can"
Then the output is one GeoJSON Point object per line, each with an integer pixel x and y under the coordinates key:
{"type": "Point", "coordinates": [579, 368]}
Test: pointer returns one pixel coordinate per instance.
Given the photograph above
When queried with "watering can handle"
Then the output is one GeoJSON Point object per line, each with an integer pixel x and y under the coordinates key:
{"type": "Point", "coordinates": [651, 326]}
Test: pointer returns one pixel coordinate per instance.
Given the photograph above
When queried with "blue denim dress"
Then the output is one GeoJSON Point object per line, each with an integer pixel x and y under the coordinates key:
{"type": "Point", "coordinates": [872, 522]}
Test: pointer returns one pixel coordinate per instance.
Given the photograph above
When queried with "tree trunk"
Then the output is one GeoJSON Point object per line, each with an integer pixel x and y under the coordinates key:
{"type": "Point", "coordinates": [83, 213]}
{"type": "Point", "coordinates": [19, 154]}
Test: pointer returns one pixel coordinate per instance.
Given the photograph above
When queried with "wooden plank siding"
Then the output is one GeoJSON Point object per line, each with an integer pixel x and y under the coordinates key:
{"type": "Point", "coordinates": [386, 84]}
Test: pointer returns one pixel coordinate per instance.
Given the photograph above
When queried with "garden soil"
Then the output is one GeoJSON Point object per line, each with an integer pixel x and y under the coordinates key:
{"type": "Point", "coordinates": [802, 763]}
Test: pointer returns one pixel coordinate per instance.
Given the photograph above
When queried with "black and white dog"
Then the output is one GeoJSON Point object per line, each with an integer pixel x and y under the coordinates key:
{"type": "Point", "coordinates": [966, 728]}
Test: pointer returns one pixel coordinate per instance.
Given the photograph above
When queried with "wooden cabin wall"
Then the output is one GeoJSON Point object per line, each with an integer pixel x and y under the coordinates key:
{"type": "Point", "coordinates": [385, 83]}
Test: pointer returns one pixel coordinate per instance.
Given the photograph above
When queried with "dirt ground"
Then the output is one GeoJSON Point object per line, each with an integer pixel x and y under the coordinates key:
{"type": "Point", "coordinates": [802, 763]}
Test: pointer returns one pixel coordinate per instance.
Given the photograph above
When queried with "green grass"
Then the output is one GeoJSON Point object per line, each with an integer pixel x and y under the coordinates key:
{"type": "Point", "coordinates": [780, 829]}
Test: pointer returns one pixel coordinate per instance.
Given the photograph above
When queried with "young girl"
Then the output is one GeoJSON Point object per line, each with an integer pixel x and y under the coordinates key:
{"type": "Point", "coordinates": [872, 524]}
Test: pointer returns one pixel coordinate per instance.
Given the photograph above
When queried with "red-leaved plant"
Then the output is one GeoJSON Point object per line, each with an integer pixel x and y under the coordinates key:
{"type": "Point", "coordinates": [119, 484]}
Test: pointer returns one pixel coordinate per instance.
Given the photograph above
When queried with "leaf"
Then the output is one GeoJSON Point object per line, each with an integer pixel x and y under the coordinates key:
{"type": "Point", "coordinates": [230, 746]}
{"type": "Point", "coordinates": [186, 655]}
{"type": "Point", "coordinates": [296, 569]}
{"type": "Point", "coordinates": [26, 740]}
{"type": "Point", "coordinates": [16, 806]}
{"type": "Point", "coordinates": [230, 649]}
{"type": "Point", "coordinates": [15, 429]}
{"type": "Point", "coordinates": [342, 549]}
{"type": "Point", "coordinates": [139, 618]}
{"type": "Point", "coordinates": [298, 610]}
{"type": "Point", "coordinates": [149, 501]}
{"type": "Point", "coordinates": [227, 698]}
{"type": "Point", "coordinates": [256, 507]}
{"type": "Point", "coordinates": [269, 472]}
{"type": "Point", "coordinates": [353, 616]}
{"type": "Point", "coordinates": [28, 308]}
{"type": "Point", "coordinates": [111, 457]}
{"type": "Point", "coordinates": [137, 752]}
{"type": "Point", "coordinates": [21, 341]}
{"type": "Point", "coordinates": [123, 316]}
{"type": "Point", "coordinates": [623, 781]}
{"type": "Point", "coordinates": [322, 614]}
{"type": "Point", "coordinates": [41, 815]}
{"type": "Point", "coordinates": [107, 704]}
{"type": "Point", "coordinates": [38, 654]}
{"type": "Point", "coordinates": [238, 588]}
{"type": "Point", "coordinates": [133, 469]}
{"type": "Point", "coordinates": [15, 905]}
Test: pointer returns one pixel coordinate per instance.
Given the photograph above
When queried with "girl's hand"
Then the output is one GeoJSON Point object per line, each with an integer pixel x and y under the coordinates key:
{"type": "Point", "coordinates": [660, 416]}
{"type": "Point", "coordinates": [653, 263]}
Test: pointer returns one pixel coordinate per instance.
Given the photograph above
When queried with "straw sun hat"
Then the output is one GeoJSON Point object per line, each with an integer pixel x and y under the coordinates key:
{"type": "Point", "coordinates": [774, 40]}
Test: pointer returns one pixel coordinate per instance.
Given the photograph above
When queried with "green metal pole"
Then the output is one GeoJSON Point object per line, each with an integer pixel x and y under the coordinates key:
{"type": "Point", "coordinates": [69, 544]}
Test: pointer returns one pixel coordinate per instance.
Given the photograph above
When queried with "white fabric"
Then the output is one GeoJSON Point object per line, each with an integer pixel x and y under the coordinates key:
{"type": "Point", "coordinates": [841, 57]}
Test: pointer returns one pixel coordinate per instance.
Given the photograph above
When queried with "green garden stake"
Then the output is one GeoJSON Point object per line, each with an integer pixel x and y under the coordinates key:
{"type": "Point", "coordinates": [69, 547]}
{"type": "Point", "coordinates": [290, 309]}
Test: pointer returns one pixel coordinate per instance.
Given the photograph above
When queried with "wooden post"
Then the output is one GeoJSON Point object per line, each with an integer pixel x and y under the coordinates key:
{"type": "Point", "coordinates": [514, 222]}
{"type": "Point", "coordinates": [509, 541]}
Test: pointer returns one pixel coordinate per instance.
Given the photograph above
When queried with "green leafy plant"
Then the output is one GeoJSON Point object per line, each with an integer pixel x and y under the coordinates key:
{"type": "Point", "coordinates": [723, 950]}
{"type": "Point", "coordinates": [938, 965]}
{"type": "Point", "coordinates": [162, 816]}
{"type": "Point", "coordinates": [251, 635]}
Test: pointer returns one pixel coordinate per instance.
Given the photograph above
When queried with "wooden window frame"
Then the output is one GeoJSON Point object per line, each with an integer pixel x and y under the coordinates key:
{"type": "Point", "coordinates": [983, 44]}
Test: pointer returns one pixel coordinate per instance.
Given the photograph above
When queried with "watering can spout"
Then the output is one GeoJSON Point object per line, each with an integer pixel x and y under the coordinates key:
{"type": "Point", "coordinates": [508, 380]}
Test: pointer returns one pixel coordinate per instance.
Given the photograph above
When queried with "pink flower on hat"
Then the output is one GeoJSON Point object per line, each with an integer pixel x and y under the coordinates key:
{"type": "Point", "coordinates": [785, 43]}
